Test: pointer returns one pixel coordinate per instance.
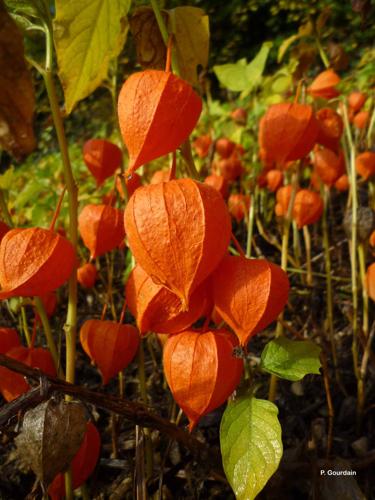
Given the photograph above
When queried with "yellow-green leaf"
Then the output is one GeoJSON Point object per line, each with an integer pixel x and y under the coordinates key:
{"type": "Point", "coordinates": [251, 446]}
{"type": "Point", "coordinates": [87, 35]}
{"type": "Point", "coordinates": [191, 30]}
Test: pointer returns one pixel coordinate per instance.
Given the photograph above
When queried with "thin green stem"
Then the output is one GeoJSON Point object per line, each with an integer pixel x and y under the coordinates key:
{"type": "Point", "coordinates": [365, 300]}
{"type": "Point", "coordinates": [25, 326]}
{"type": "Point", "coordinates": [4, 209]}
{"type": "Point", "coordinates": [250, 224]}
{"type": "Point", "coordinates": [371, 129]}
{"type": "Point", "coordinates": [307, 240]}
{"type": "Point", "coordinates": [71, 320]}
{"type": "Point", "coordinates": [164, 33]}
{"type": "Point", "coordinates": [322, 53]}
{"type": "Point", "coordinates": [143, 394]}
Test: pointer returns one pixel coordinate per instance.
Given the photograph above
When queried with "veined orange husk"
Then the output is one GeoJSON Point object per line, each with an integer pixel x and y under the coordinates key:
{"type": "Point", "coordinates": [287, 132]}
{"type": "Point", "coordinates": [102, 158]}
{"type": "Point", "coordinates": [12, 385]}
{"type": "Point", "coordinates": [365, 164]}
{"type": "Point", "coordinates": [158, 310]}
{"type": "Point", "coordinates": [328, 165]}
{"type": "Point", "coordinates": [101, 228]}
{"type": "Point", "coordinates": [83, 463]}
{"type": "Point", "coordinates": [157, 112]}
{"type": "Point", "coordinates": [249, 294]}
{"type": "Point", "coordinates": [324, 84]}
{"type": "Point", "coordinates": [178, 232]}
{"type": "Point", "coordinates": [34, 261]}
{"type": "Point", "coordinates": [86, 275]}
{"type": "Point", "coordinates": [308, 207]}
{"type": "Point", "coordinates": [201, 370]}
{"type": "Point", "coordinates": [331, 127]}
{"type": "Point", "coordinates": [112, 346]}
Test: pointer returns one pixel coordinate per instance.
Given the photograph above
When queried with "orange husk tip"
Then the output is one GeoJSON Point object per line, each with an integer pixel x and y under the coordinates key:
{"type": "Point", "coordinates": [12, 385]}
{"type": "Point", "coordinates": [365, 164]}
{"type": "Point", "coordinates": [158, 310]}
{"type": "Point", "coordinates": [102, 158]}
{"type": "Point", "coordinates": [157, 111]}
{"type": "Point", "coordinates": [328, 165]}
{"type": "Point", "coordinates": [34, 261]}
{"type": "Point", "coordinates": [308, 207]}
{"type": "Point", "coordinates": [178, 231]}
{"type": "Point", "coordinates": [287, 132]}
{"type": "Point", "coordinates": [86, 275]}
{"type": "Point", "coordinates": [101, 228]}
{"type": "Point", "coordinates": [324, 85]}
{"type": "Point", "coordinates": [111, 346]}
{"type": "Point", "coordinates": [249, 294]}
{"type": "Point", "coordinates": [9, 339]}
{"type": "Point", "coordinates": [201, 370]}
{"type": "Point", "coordinates": [83, 463]}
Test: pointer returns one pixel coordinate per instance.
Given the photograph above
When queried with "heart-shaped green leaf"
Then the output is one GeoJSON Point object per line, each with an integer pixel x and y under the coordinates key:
{"type": "Point", "coordinates": [251, 446]}
{"type": "Point", "coordinates": [290, 359]}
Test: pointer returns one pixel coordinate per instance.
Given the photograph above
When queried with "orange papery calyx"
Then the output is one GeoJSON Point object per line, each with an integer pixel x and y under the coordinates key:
{"type": "Point", "coordinates": [157, 111]}
{"type": "Point", "coordinates": [249, 294]}
{"type": "Point", "coordinates": [34, 261]}
{"type": "Point", "coordinates": [101, 228]}
{"type": "Point", "coordinates": [102, 158]}
{"type": "Point", "coordinates": [201, 370]}
{"type": "Point", "coordinates": [156, 309]}
{"type": "Point", "coordinates": [308, 207]}
{"type": "Point", "coordinates": [178, 231]}
{"type": "Point", "coordinates": [287, 132]}
{"type": "Point", "coordinates": [112, 346]}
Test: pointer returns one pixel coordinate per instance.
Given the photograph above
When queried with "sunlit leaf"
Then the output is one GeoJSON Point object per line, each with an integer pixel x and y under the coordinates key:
{"type": "Point", "coordinates": [87, 35]}
{"type": "Point", "coordinates": [251, 446]}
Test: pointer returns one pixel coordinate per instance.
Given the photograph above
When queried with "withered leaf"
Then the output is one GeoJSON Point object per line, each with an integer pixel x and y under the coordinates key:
{"type": "Point", "coordinates": [17, 99]}
{"type": "Point", "coordinates": [150, 47]}
{"type": "Point", "coordinates": [51, 435]}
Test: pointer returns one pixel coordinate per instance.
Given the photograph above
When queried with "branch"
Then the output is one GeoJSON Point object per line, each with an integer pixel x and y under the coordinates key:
{"type": "Point", "coordinates": [137, 413]}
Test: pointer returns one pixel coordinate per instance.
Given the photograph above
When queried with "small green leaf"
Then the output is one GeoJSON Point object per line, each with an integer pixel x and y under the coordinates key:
{"type": "Point", "coordinates": [251, 446]}
{"type": "Point", "coordinates": [7, 178]}
{"type": "Point", "coordinates": [192, 34]}
{"type": "Point", "coordinates": [87, 35]}
{"type": "Point", "coordinates": [233, 76]}
{"type": "Point", "coordinates": [255, 67]}
{"type": "Point", "coordinates": [290, 359]}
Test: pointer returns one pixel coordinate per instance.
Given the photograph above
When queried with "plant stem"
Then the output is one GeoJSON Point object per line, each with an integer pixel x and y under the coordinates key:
{"type": "Point", "coordinates": [25, 327]}
{"type": "Point", "coordinates": [164, 33]}
{"type": "Point", "coordinates": [48, 333]}
{"type": "Point", "coordinates": [307, 239]}
{"type": "Point", "coordinates": [250, 223]}
{"type": "Point", "coordinates": [143, 394]}
{"type": "Point", "coordinates": [71, 320]}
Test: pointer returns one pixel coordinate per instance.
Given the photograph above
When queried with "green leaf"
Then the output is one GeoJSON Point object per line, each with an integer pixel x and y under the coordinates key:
{"type": "Point", "coordinates": [255, 68]}
{"type": "Point", "coordinates": [290, 359]}
{"type": "Point", "coordinates": [87, 35]}
{"type": "Point", "coordinates": [6, 179]}
{"type": "Point", "coordinates": [251, 446]}
{"type": "Point", "coordinates": [192, 34]}
{"type": "Point", "coordinates": [233, 76]}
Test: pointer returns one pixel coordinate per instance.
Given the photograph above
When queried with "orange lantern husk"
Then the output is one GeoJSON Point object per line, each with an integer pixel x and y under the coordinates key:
{"type": "Point", "coordinates": [249, 294]}
{"type": "Point", "coordinates": [132, 182]}
{"type": "Point", "coordinates": [219, 183]}
{"type": "Point", "coordinates": [331, 127]}
{"type": "Point", "coordinates": [102, 158]}
{"type": "Point", "coordinates": [4, 228]}
{"type": "Point", "coordinates": [283, 196]}
{"type": "Point", "coordinates": [201, 145]}
{"type": "Point", "coordinates": [156, 309]}
{"type": "Point", "coordinates": [87, 275]}
{"type": "Point", "coordinates": [157, 112]}
{"type": "Point", "coordinates": [101, 228]}
{"type": "Point", "coordinates": [324, 85]}
{"type": "Point", "coordinates": [201, 370]}
{"type": "Point", "coordinates": [178, 231]}
{"type": "Point", "coordinates": [287, 132]}
{"type": "Point", "coordinates": [361, 119]}
{"type": "Point", "coordinates": [274, 179]}
{"type": "Point", "coordinates": [238, 206]}
{"type": "Point", "coordinates": [230, 168]}
{"type": "Point", "coordinates": [342, 184]}
{"type": "Point", "coordinates": [9, 339]}
{"type": "Point", "coordinates": [224, 147]}
{"type": "Point", "coordinates": [328, 165]}
{"type": "Point", "coordinates": [112, 346]}
{"type": "Point", "coordinates": [308, 207]}
{"type": "Point", "coordinates": [365, 164]}
{"type": "Point", "coordinates": [34, 261]}
{"type": "Point", "coordinates": [356, 100]}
